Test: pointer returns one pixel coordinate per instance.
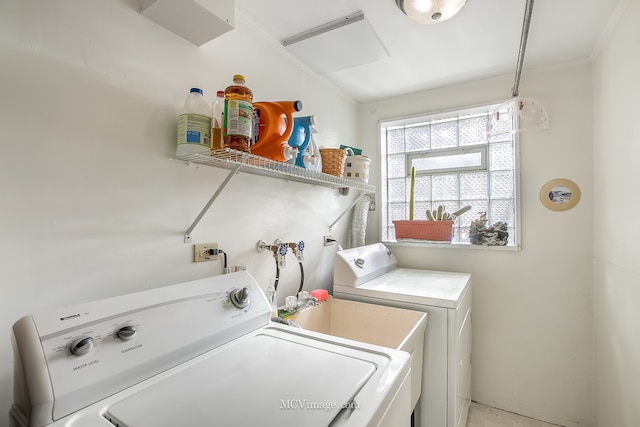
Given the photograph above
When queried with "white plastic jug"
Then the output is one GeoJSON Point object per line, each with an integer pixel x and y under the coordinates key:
{"type": "Point", "coordinates": [194, 125]}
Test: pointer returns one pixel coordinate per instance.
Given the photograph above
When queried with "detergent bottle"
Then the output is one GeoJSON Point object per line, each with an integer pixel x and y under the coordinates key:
{"type": "Point", "coordinates": [301, 137]}
{"type": "Point", "coordinates": [275, 125]}
{"type": "Point", "coordinates": [315, 158]}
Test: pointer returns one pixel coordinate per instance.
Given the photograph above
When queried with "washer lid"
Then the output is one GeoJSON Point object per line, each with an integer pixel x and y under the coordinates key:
{"type": "Point", "coordinates": [422, 287]}
{"type": "Point", "coordinates": [258, 379]}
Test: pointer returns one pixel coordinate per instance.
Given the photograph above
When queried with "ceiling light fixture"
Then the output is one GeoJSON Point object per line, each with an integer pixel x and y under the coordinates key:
{"type": "Point", "coordinates": [430, 11]}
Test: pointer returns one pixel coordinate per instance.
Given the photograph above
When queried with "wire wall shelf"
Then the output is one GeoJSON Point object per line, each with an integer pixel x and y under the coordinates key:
{"type": "Point", "coordinates": [230, 159]}
{"type": "Point", "coordinates": [238, 161]}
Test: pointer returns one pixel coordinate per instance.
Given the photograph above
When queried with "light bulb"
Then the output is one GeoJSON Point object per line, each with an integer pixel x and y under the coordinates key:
{"type": "Point", "coordinates": [430, 11]}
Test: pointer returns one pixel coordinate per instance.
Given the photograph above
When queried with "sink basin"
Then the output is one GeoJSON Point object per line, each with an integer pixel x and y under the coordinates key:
{"type": "Point", "coordinates": [374, 324]}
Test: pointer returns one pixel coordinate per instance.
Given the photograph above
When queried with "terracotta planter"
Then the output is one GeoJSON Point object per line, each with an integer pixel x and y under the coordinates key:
{"type": "Point", "coordinates": [440, 231]}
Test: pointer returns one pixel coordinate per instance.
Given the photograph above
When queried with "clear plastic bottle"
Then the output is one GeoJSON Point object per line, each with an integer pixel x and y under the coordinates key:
{"type": "Point", "coordinates": [273, 300]}
{"type": "Point", "coordinates": [194, 125]}
{"type": "Point", "coordinates": [216, 122]}
{"type": "Point", "coordinates": [238, 115]}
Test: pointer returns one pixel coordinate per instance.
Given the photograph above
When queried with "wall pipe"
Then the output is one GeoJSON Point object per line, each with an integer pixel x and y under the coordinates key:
{"type": "Point", "coordinates": [523, 46]}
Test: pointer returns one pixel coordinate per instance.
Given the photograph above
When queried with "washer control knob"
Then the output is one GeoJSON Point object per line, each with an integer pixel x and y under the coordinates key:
{"type": "Point", "coordinates": [359, 262]}
{"type": "Point", "coordinates": [125, 333]}
{"type": "Point", "coordinates": [240, 297]}
{"type": "Point", "coordinates": [81, 346]}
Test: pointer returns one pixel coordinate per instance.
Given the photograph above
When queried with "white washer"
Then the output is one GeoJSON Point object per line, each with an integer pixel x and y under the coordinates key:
{"type": "Point", "coordinates": [199, 353]}
{"type": "Point", "coordinates": [370, 274]}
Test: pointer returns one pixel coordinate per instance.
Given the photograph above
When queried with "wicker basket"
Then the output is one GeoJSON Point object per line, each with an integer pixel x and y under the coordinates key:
{"type": "Point", "coordinates": [333, 160]}
{"type": "Point", "coordinates": [440, 231]}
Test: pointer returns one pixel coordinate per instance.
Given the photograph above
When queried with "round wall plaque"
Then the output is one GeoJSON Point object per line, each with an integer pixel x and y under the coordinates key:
{"type": "Point", "coordinates": [560, 194]}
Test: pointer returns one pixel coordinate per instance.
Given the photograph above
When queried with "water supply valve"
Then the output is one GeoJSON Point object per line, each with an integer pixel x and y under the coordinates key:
{"type": "Point", "coordinates": [298, 249]}
{"type": "Point", "coordinates": [279, 249]}
{"type": "Point", "coordinates": [279, 252]}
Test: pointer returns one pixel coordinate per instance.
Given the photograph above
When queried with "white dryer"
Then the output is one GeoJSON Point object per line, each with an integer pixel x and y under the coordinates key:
{"type": "Point", "coordinates": [370, 274]}
{"type": "Point", "coordinates": [200, 353]}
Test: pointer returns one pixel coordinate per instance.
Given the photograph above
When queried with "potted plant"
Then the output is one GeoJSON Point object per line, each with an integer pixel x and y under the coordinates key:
{"type": "Point", "coordinates": [438, 225]}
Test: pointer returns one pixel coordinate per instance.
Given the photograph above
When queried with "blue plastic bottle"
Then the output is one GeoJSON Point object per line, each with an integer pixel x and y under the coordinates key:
{"type": "Point", "coordinates": [300, 138]}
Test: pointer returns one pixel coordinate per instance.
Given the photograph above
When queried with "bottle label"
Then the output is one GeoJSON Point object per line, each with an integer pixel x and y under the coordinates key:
{"type": "Point", "coordinates": [238, 118]}
{"type": "Point", "coordinates": [194, 129]}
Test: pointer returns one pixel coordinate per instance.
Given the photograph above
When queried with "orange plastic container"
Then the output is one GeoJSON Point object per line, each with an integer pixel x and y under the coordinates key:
{"type": "Point", "coordinates": [274, 129]}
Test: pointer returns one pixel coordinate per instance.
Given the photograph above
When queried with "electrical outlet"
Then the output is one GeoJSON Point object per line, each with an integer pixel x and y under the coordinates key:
{"type": "Point", "coordinates": [205, 252]}
{"type": "Point", "coordinates": [328, 240]}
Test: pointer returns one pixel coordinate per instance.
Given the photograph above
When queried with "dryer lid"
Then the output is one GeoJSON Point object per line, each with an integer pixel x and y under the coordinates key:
{"type": "Point", "coordinates": [419, 287]}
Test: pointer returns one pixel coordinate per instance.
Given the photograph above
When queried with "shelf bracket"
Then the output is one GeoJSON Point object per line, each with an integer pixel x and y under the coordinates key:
{"type": "Point", "coordinates": [236, 160]}
{"type": "Point", "coordinates": [355, 202]}
{"type": "Point", "coordinates": [187, 234]}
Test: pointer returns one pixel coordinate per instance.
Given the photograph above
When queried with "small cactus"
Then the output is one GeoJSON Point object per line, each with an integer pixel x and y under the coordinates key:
{"type": "Point", "coordinates": [439, 213]}
{"type": "Point", "coordinates": [461, 211]}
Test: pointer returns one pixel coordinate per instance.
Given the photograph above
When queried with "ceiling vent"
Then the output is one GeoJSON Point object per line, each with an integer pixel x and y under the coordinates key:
{"type": "Point", "coordinates": [338, 45]}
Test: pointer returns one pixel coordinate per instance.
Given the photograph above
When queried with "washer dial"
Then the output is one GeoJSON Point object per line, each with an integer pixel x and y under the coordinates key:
{"type": "Point", "coordinates": [240, 297]}
{"type": "Point", "coordinates": [127, 332]}
{"type": "Point", "coordinates": [82, 345]}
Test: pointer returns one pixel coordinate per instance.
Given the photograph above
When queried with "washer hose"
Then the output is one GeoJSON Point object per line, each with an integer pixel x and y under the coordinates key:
{"type": "Point", "coordinates": [275, 285]}
{"type": "Point", "coordinates": [301, 277]}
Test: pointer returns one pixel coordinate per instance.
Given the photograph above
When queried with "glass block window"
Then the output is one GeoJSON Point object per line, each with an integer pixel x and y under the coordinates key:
{"type": "Point", "coordinates": [457, 165]}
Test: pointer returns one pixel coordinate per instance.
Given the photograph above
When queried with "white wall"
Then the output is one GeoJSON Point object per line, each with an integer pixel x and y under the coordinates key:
{"type": "Point", "coordinates": [92, 205]}
{"type": "Point", "coordinates": [617, 230]}
{"type": "Point", "coordinates": [532, 346]}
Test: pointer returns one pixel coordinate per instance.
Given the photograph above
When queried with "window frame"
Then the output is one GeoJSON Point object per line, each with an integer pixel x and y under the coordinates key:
{"type": "Point", "coordinates": [515, 242]}
{"type": "Point", "coordinates": [442, 152]}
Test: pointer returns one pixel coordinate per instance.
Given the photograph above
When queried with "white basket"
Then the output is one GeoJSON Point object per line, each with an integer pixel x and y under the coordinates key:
{"type": "Point", "coordinates": [357, 168]}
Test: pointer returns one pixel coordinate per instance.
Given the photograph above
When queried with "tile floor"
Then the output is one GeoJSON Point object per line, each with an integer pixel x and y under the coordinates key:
{"type": "Point", "coordinates": [485, 416]}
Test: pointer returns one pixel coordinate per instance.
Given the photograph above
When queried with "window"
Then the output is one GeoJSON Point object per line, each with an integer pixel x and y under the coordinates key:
{"type": "Point", "coordinates": [456, 165]}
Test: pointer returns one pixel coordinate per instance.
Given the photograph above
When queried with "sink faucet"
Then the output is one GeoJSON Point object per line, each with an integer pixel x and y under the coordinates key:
{"type": "Point", "coordinates": [306, 302]}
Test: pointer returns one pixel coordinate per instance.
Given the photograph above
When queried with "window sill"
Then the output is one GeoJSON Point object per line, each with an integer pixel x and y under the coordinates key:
{"type": "Point", "coordinates": [447, 245]}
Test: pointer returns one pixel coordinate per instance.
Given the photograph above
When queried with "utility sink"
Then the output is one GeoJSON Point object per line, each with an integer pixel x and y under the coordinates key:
{"type": "Point", "coordinates": [374, 324]}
